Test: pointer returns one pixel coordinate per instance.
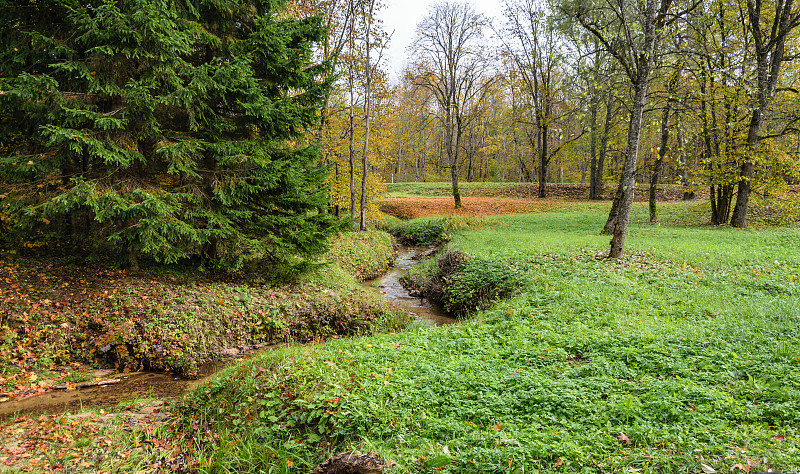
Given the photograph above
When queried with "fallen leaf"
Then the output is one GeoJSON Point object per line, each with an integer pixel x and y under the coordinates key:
{"type": "Point", "coordinates": [707, 469]}
{"type": "Point", "coordinates": [624, 438]}
{"type": "Point", "coordinates": [741, 467]}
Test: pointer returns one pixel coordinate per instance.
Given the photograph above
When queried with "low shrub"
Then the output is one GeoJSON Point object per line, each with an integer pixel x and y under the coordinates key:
{"type": "Point", "coordinates": [462, 285]}
{"type": "Point", "coordinates": [419, 231]}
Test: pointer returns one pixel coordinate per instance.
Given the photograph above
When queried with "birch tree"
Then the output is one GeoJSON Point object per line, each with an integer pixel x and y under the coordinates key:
{"type": "Point", "coordinates": [630, 31]}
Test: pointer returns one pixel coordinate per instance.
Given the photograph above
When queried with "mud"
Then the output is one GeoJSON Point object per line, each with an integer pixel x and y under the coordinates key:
{"type": "Point", "coordinates": [131, 386]}
{"type": "Point", "coordinates": [392, 290]}
{"type": "Point", "coordinates": [136, 385]}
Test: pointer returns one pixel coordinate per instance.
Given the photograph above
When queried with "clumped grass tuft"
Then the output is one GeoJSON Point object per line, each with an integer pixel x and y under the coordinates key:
{"type": "Point", "coordinates": [423, 231]}
{"type": "Point", "coordinates": [461, 285]}
{"type": "Point", "coordinates": [364, 255]}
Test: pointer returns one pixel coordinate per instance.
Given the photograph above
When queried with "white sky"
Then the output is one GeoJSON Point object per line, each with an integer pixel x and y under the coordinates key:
{"type": "Point", "coordinates": [402, 16]}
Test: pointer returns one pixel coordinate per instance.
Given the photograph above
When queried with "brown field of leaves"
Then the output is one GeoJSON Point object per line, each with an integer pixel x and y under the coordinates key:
{"type": "Point", "coordinates": [410, 208]}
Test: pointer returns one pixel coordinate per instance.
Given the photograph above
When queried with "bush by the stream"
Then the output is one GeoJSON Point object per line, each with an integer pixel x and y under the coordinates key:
{"type": "Point", "coordinates": [426, 231]}
{"type": "Point", "coordinates": [364, 255]}
{"type": "Point", "coordinates": [418, 231]}
{"type": "Point", "coordinates": [462, 285]}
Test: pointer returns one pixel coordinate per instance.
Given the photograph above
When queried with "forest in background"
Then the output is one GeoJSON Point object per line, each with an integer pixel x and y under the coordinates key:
{"type": "Point", "coordinates": [546, 93]}
{"type": "Point", "coordinates": [234, 132]}
{"type": "Point", "coordinates": [213, 133]}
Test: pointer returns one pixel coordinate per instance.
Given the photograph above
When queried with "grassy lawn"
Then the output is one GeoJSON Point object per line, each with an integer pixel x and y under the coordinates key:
{"type": "Point", "coordinates": [682, 357]}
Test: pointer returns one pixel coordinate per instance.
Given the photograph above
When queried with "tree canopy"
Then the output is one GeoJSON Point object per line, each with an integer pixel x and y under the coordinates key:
{"type": "Point", "coordinates": [165, 129]}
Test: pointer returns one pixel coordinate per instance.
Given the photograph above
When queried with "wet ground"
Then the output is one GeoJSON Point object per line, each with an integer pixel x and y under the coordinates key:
{"type": "Point", "coordinates": [123, 387]}
{"type": "Point", "coordinates": [161, 385]}
{"type": "Point", "coordinates": [133, 385]}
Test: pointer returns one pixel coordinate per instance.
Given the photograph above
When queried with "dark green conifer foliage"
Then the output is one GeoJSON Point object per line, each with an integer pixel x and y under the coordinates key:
{"type": "Point", "coordinates": [162, 128]}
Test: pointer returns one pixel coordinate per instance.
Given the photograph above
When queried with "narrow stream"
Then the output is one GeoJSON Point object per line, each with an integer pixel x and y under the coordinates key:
{"type": "Point", "coordinates": [162, 385]}
{"type": "Point", "coordinates": [392, 290]}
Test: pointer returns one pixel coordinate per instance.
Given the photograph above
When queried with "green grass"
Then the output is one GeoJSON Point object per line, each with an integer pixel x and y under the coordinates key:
{"type": "Point", "coordinates": [364, 255]}
{"type": "Point", "coordinates": [506, 189]}
{"type": "Point", "coordinates": [686, 352]}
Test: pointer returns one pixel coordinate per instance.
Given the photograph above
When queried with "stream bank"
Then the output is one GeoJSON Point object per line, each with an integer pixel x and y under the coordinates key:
{"type": "Point", "coordinates": [123, 386]}
{"type": "Point", "coordinates": [165, 385]}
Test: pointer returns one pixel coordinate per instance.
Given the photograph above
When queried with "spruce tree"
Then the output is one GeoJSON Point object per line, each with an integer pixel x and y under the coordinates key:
{"type": "Point", "coordinates": [168, 129]}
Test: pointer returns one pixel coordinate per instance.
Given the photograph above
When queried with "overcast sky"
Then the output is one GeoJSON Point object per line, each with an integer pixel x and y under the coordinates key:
{"type": "Point", "coordinates": [402, 16]}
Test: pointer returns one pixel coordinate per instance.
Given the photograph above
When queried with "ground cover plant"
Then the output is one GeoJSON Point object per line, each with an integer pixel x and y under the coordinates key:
{"type": "Point", "coordinates": [682, 357]}
{"type": "Point", "coordinates": [54, 314]}
{"type": "Point", "coordinates": [135, 436]}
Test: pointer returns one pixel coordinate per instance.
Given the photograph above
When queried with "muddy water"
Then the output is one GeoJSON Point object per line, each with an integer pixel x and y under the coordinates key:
{"type": "Point", "coordinates": [160, 385]}
{"type": "Point", "coordinates": [130, 386]}
{"type": "Point", "coordinates": [392, 290]}
{"type": "Point", "coordinates": [135, 385]}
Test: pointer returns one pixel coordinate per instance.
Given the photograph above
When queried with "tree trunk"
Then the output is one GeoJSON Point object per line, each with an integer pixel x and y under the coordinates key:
{"type": "Point", "coordinates": [612, 214]}
{"type": "Point", "coordinates": [543, 160]}
{"type": "Point", "coordinates": [133, 259]}
{"type": "Point", "coordinates": [422, 158]}
{"type": "Point", "coordinates": [520, 163]}
{"type": "Point", "coordinates": [362, 221]}
{"type": "Point", "coordinates": [739, 218]}
{"type": "Point", "coordinates": [454, 168]}
{"type": "Point", "coordinates": [592, 151]}
{"type": "Point", "coordinates": [352, 160]}
{"type": "Point", "coordinates": [619, 220]}
{"type": "Point", "coordinates": [654, 180]}
{"type": "Point", "coordinates": [601, 158]}
{"type": "Point", "coordinates": [336, 207]}
{"type": "Point", "coordinates": [688, 195]}
{"type": "Point", "coordinates": [662, 152]}
{"type": "Point", "coordinates": [712, 193]}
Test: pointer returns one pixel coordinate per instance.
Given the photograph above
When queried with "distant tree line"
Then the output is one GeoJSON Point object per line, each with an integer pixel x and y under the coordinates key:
{"type": "Point", "coordinates": [700, 93]}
